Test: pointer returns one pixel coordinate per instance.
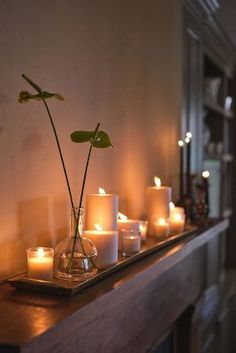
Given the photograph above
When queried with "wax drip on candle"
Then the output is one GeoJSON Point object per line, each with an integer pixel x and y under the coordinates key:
{"type": "Point", "coordinates": [157, 181]}
{"type": "Point", "coordinates": [102, 191]}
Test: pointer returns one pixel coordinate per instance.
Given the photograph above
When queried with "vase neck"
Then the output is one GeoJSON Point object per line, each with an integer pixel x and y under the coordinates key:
{"type": "Point", "coordinates": [77, 215]}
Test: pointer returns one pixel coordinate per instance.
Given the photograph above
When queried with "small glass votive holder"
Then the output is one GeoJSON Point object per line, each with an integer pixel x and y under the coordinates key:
{"type": "Point", "coordinates": [130, 242]}
{"type": "Point", "coordinates": [143, 225]}
{"type": "Point", "coordinates": [40, 263]}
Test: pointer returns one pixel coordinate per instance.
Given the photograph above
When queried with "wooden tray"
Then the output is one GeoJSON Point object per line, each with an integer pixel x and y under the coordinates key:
{"type": "Point", "coordinates": [67, 288]}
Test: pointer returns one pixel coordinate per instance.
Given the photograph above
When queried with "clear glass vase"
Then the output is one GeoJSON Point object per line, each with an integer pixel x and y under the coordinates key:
{"type": "Point", "coordinates": [75, 256]}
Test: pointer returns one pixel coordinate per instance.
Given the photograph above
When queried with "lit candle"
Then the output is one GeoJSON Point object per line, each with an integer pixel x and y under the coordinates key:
{"type": "Point", "coordinates": [40, 263]}
{"type": "Point", "coordinates": [130, 242]}
{"type": "Point", "coordinates": [106, 243]}
{"type": "Point", "coordinates": [143, 229]}
{"type": "Point", "coordinates": [158, 199]}
{"type": "Point", "coordinates": [101, 209]}
{"type": "Point", "coordinates": [161, 228]}
{"type": "Point", "coordinates": [188, 169]}
{"type": "Point", "coordinates": [124, 223]}
{"type": "Point", "coordinates": [181, 170]}
{"type": "Point", "coordinates": [205, 176]}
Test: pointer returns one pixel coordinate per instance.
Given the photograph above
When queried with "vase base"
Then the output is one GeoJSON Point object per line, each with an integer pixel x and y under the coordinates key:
{"type": "Point", "coordinates": [75, 277]}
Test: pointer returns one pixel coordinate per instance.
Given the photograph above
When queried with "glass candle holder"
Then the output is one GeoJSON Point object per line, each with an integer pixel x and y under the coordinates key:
{"type": "Point", "coordinates": [130, 241]}
{"type": "Point", "coordinates": [143, 225]}
{"type": "Point", "coordinates": [40, 263]}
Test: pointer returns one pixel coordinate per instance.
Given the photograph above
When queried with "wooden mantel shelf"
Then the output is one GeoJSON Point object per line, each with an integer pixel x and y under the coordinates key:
{"type": "Point", "coordinates": [126, 312]}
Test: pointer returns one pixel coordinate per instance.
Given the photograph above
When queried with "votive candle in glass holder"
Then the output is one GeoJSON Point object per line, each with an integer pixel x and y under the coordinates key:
{"type": "Point", "coordinates": [130, 242]}
{"type": "Point", "coordinates": [40, 263]}
{"type": "Point", "coordinates": [143, 230]}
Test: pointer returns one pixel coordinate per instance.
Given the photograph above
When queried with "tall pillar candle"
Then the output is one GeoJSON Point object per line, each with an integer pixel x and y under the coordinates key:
{"type": "Point", "coordinates": [101, 209]}
{"type": "Point", "coordinates": [158, 199]}
{"type": "Point", "coordinates": [106, 243]}
{"type": "Point", "coordinates": [188, 168]}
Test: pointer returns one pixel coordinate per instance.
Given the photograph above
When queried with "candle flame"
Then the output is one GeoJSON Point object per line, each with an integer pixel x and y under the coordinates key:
{"type": "Point", "coordinates": [98, 227]}
{"type": "Point", "coordinates": [189, 135]}
{"type": "Point", "coordinates": [205, 174]}
{"type": "Point", "coordinates": [161, 221]}
{"type": "Point", "coordinates": [187, 139]}
{"type": "Point", "coordinates": [171, 205]}
{"type": "Point", "coordinates": [122, 216]}
{"type": "Point", "coordinates": [180, 143]}
{"type": "Point", "coordinates": [157, 181]}
{"type": "Point", "coordinates": [102, 191]}
{"type": "Point", "coordinates": [40, 253]}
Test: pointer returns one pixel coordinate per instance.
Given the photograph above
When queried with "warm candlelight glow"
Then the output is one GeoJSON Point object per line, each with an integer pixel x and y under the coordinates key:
{"type": "Point", "coordinates": [157, 181]}
{"type": "Point", "coordinates": [171, 205]}
{"type": "Point", "coordinates": [205, 174]}
{"type": "Point", "coordinates": [180, 143]}
{"type": "Point", "coordinates": [40, 262]}
{"type": "Point", "coordinates": [122, 216]}
{"type": "Point", "coordinates": [98, 227]}
{"type": "Point", "coordinates": [187, 139]}
{"type": "Point", "coordinates": [102, 191]}
{"type": "Point", "coordinates": [177, 216]}
{"type": "Point", "coordinates": [189, 135]}
{"type": "Point", "coordinates": [40, 253]}
{"type": "Point", "coordinates": [161, 221]}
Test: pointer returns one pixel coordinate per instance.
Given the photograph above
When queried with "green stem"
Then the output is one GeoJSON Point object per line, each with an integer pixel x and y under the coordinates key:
{"type": "Point", "coordinates": [39, 90]}
{"type": "Point", "coordinates": [61, 157]}
{"type": "Point", "coordinates": [80, 204]}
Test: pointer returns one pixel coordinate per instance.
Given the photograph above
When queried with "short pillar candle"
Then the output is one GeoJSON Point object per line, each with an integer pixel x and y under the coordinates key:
{"type": "Point", "coordinates": [40, 263]}
{"type": "Point", "coordinates": [106, 243]}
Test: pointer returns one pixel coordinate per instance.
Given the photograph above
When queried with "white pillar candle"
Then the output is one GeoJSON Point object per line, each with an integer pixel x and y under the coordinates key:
{"type": "Point", "coordinates": [143, 229]}
{"type": "Point", "coordinates": [106, 243]}
{"type": "Point", "coordinates": [161, 228]}
{"type": "Point", "coordinates": [40, 263]}
{"type": "Point", "coordinates": [102, 209]}
{"type": "Point", "coordinates": [130, 242]}
{"type": "Point", "coordinates": [158, 199]}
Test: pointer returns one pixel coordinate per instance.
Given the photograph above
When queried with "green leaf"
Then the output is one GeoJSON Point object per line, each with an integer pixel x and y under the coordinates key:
{"type": "Point", "coordinates": [102, 140]}
{"type": "Point", "coordinates": [25, 96]}
{"type": "Point", "coordinates": [82, 136]}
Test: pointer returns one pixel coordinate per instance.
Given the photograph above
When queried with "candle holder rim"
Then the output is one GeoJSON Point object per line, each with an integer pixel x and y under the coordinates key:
{"type": "Point", "coordinates": [34, 249]}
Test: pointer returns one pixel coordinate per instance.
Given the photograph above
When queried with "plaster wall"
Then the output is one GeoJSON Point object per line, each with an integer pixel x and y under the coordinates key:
{"type": "Point", "coordinates": [116, 62]}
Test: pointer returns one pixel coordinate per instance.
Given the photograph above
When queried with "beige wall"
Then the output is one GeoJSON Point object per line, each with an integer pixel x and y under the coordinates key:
{"type": "Point", "coordinates": [115, 61]}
